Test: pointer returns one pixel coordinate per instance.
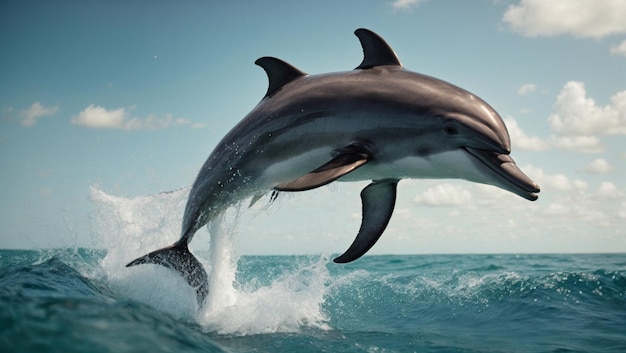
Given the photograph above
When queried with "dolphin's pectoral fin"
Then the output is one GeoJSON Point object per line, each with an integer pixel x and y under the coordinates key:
{"type": "Point", "coordinates": [178, 258]}
{"type": "Point", "coordinates": [346, 161]}
{"type": "Point", "coordinates": [257, 197]}
{"type": "Point", "coordinates": [254, 199]}
{"type": "Point", "coordinates": [379, 199]}
{"type": "Point", "coordinates": [274, 196]}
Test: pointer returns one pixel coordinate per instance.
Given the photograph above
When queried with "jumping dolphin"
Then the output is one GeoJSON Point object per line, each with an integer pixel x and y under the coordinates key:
{"type": "Point", "coordinates": [378, 122]}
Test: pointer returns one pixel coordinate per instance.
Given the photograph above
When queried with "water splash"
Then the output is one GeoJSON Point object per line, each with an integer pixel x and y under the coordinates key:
{"type": "Point", "coordinates": [130, 227]}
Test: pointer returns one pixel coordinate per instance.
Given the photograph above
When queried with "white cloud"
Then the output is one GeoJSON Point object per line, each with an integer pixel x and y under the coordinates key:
{"type": "Point", "coordinates": [575, 114]}
{"type": "Point", "coordinates": [578, 120]}
{"type": "Point", "coordinates": [598, 166]}
{"type": "Point", "coordinates": [567, 207]}
{"type": "Point", "coordinates": [561, 182]}
{"type": "Point", "coordinates": [580, 18]}
{"type": "Point", "coordinates": [444, 195]}
{"type": "Point", "coordinates": [584, 144]}
{"type": "Point", "coordinates": [608, 190]}
{"type": "Point", "coordinates": [574, 204]}
{"type": "Point", "coordinates": [526, 88]}
{"type": "Point", "coordinates": [619, 49]}
{"type": "Point", "coordinates": [406, 4]}
{"type": "Point", "coordinates": [621, 213]}
{"type": "Point", "coordinates": [97, 117]}
{"type": "Point", "coordinates": [30, 116]}
{"type": "Point", "coordinates": [554, 182]}
{"type": "Point", "coordinates": [520, 140]}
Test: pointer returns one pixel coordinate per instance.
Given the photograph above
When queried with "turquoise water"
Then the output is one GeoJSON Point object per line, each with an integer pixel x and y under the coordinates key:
{"type": "Point", "coordinates": [83, 300]}
{"type": "Point", "coordinates": [75, 300]}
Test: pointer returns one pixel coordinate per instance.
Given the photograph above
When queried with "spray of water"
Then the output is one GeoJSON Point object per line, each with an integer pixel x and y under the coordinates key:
{"type": "Point", "coordinates": [130, 227]}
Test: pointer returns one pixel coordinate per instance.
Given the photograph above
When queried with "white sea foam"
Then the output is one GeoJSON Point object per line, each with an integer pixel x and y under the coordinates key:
{"type": "Point", "coordinates": [131, 227]}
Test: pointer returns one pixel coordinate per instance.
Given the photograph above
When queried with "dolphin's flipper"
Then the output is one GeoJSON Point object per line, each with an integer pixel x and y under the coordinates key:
{"type": "Point", "coordinates": [274, 196]}
{"type": "Point", "coordinates": [379, 199]}
{"type": "Point", "coordinates": [257, 197]}
{"type": "Point", "coordinates": [178, 258]}
{"type": "Point", "coordinates": [347, 160]}
{"type": "Point", "coordinates": [376, 51]}
{"type": "Point", "coordinates": [254, 199]}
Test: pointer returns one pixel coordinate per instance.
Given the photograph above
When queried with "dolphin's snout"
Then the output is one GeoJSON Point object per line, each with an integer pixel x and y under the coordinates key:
{"type": "Point", "coordinates": [500, 170]}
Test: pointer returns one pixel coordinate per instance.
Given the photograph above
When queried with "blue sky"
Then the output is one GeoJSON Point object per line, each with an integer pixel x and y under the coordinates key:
{"type": "Point", "coordinates": [131, 97]}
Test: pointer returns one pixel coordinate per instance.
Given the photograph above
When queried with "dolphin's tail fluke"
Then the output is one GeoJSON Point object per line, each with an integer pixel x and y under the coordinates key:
{"type": "Point", "coordinates": [178, 258]}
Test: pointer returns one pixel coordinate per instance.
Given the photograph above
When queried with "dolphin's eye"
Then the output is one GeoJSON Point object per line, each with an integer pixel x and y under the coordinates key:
{"type": "Point", "coordinates": [450, 129]}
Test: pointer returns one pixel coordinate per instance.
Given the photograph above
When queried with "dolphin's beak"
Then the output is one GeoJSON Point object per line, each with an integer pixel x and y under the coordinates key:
{"type": "Point", "coordinates": [501, 171]}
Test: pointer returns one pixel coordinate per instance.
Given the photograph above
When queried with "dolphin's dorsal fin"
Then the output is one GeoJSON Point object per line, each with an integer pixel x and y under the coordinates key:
{"type": "Point", "coordinates": [345, 161]}
{"type": "Point", "coordinates": [379, 199]}
{"type": "Point", "coordinates": [279, 73]}
{"type": "Point", "coordinates": [376, 52]}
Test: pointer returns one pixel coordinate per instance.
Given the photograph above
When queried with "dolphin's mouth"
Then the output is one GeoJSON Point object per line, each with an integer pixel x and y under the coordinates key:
{"type": "Point", "coordinates": [505, 173]}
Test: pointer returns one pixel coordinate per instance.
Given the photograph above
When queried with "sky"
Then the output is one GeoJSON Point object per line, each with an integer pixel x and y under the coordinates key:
{"type": "Point", "coordinates": [131, 97]}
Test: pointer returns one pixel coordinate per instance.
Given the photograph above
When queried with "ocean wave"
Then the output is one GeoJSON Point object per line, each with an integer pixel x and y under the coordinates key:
{"type": "Point", "coordinates": [79, 300]}
{"type": "Point", "coordinates": [63, 300]}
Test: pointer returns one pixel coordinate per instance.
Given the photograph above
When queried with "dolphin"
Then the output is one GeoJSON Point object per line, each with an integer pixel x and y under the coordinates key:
{"type": "Point", "coordinates": [378, 122]}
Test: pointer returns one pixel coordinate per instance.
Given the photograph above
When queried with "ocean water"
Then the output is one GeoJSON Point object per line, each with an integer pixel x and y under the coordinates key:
{"type": "Point", "coordinates": [85, 300]}
{"type": "Point", "coordinates": [62, 301]}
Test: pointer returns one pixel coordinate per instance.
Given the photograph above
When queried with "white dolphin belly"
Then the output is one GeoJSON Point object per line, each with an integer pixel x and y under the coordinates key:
{"type": "Point", "coordinates": [294, 167]}
{"type": "Point", "coordinates": [450, 164]}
